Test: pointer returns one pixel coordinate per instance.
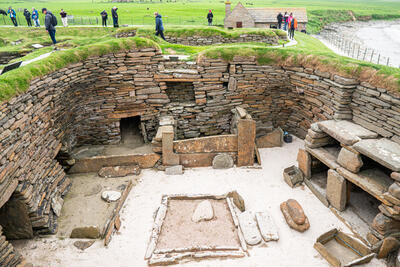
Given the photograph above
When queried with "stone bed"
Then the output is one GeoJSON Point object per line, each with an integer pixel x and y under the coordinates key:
{"type": "Point", "coordinates": [355, 158]}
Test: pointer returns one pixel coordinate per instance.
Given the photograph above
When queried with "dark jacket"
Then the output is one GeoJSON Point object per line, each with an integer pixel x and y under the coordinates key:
{"type": "Point", "coordinates": [104, 14]}
{"type": "Point", "coordinates": [48, 21]}
{"type": "Point", "coordinates": [159, 24]}
{"type": "Point", "coordinates": [210, 16]}
{"type": "Point", "coordinates": [27, 14]}
{"type": "Point", "coordinates": [280, 17]}
{"type": "Point", "coordinates": [63, 14]}
{"type": "Point", "coordinates": [114, 13]}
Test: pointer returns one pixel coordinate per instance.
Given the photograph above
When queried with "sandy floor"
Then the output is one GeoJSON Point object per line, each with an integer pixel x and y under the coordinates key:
{"type": "Point", "coordinates": [381, 36]}
{"type": "Point", "coordinates": [261, 189]}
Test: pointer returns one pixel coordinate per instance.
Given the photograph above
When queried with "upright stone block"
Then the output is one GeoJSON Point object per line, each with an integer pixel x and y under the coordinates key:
{"type": "Point", "coordinates": [350, 160]}
{"type": "Point", "coordinates": [246, 142]}
{"type": "Point", "coordinates": [336, 190]}
{"type": "Point", "coordinates": [304, 161]}
{"type": "Point", "coordinates": [169, 158]}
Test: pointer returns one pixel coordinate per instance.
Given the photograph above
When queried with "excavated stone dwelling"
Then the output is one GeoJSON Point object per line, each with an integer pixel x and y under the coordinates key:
{"type": "Point", "coordinates": [88, 103]}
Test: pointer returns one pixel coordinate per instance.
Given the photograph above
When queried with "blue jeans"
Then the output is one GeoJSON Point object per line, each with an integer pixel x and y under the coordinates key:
{"type": "Point", "coordinates": [37, 24]}
{"type": "Point", "coordinates": [285, 27]}
{"type": "Point", "coordinates": [52, 34]}
{"type": "Point", "coordinates": [115, 22]}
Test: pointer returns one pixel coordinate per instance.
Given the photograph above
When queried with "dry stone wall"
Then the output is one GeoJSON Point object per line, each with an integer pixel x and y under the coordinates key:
{"type": "Point", "coordinates": [83, 104]}
{"type": "Point", "coordinates": [198, 40]}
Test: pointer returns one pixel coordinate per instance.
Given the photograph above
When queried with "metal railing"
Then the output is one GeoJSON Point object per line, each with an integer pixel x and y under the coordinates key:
{"type": "Point", "coordinates": [357, 50]}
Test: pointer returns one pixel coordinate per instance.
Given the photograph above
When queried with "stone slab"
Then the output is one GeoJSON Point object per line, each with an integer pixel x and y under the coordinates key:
{"type": "Point", "coordinates": [383, 151]}
{"type": "Point", "coordinates": [169, 158]}
{"type": "Point", "coordinates": [304, 162]}
{"type": "Point", "coordinates": [336, 190]}
{"type": "Point", "coordinates": [350, 160]}
{"type": "Point", "coordinates": [211, 144]}
{"type": "Point", "coordinates": [160, 130]}
{"type": "Point", "coordinates": [249, 228]}
{"type": "Point", "coordinates": [267, 226]}
{"type": "Point", "coordinates": [199, 159]}
{"type": "Point", "coordinates": [374, 181]}
{"type": "Point", "coordinates": [328, 156]}
{"type": "Point", "coordinates": [94, 164]}
{"type": "Point", "coordinates": [346, 132]}
{"type": "Point", "coordinates": [246, 142]}
{"type": "Point", "coordinates": [273, 139]}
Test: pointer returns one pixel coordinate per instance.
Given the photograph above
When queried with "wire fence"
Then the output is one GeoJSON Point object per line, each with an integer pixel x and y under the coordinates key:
{"type": "Point", "coordinates": [134, 20]}
{"type": "Point", "coordinates": [357, 50]}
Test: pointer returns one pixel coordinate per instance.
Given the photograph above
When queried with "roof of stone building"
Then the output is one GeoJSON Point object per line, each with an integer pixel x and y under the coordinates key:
{"type": "Point", "coordinates": [269, 14]}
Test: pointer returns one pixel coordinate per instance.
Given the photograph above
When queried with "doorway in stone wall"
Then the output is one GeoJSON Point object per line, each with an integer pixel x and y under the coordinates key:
{"type": "Point", "coordinates": [14, 219]}
{"type": "Point", "coordinates": [131, 133]}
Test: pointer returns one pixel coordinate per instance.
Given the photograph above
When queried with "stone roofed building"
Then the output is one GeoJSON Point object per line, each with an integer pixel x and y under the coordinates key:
{"type": "Point", "coordinates": [260, 17]}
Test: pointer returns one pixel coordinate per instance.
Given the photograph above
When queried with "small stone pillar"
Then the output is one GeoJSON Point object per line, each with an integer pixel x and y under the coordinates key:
{"type": "Point", "coordinates": [246, 142]}
{"type": "Point", "coordinates": [169, 158]}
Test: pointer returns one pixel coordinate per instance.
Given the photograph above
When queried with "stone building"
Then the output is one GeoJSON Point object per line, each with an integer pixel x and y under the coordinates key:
{"type": "Point", "coordinates": [260, 17]}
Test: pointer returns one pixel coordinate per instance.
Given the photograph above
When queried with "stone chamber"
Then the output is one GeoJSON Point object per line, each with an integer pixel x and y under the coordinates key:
{"type": "Point", "coordinates": [129, 95]}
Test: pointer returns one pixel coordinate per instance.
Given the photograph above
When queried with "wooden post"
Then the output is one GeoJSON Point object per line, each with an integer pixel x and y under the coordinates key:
{"type": "Point", "coordinates": [372, 55]}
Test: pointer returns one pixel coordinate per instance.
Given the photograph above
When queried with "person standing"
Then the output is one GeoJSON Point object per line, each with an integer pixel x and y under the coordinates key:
{"type": "Point", "coordinates": [210, 17]}
{"type": "Point", "coordinates": [115, 16]}
{"type": "Point", "coordinates": [104, 17]}
{"type": "Point", "coordinates": [13, 16]}
{"type": "Point", "coordinates": [286, 20]}
{"type": "Point", "coordinates": [35, 17]}
{"type": "Point", "coordinates": [159, 25]}
{"type": "Point", "coordinates": [50, 22]}
{"type": "Point", "coordinates": [64, 18]}
{"type": "Point", "coordinates": [292, 27]}
{"type": "Point", "coordinates": [27, 15]}
{"type": "Point", "coordinates": [280, 19]}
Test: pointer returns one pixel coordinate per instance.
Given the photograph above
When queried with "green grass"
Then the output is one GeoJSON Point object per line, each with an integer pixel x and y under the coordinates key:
{"type": "Point", "coordinates": [309, 51]}
{"type": "Point", "coordinates": [17, 81]}
{"type": "Point", "coordinates": [186, 12]}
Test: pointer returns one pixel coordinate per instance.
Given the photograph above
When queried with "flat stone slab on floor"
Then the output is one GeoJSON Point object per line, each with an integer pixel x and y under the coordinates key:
{"type": "Point", "coordinates": [346, 132]}
{"type": "Point", "coordinates": [267, 226]}
{"type": "Point", "coordinates": [249, 228]}
{"type": "Point", "coordinates": [383, 151]}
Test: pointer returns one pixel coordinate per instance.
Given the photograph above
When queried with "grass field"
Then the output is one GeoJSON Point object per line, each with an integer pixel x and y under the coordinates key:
{"type": "Point", "coordinates": [184, 12]}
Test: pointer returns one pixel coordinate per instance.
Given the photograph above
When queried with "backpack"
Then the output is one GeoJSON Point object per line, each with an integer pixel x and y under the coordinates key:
{"type": "Point", "coordinates": [292, 24]}
{"type": "Point", "coordinates": [53, 20]}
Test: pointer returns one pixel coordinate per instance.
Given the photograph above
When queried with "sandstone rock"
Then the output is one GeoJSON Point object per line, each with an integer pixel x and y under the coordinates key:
{"type": "Point", "coordinates": [389, 244]}
{"type": "Point", "coordinates": [316, 128]}
{"type": "Point", "coordinates": [391, 199]}
{"type": "Point", "coordinates": [316, 135]}
{"type": "Point", "coordinates": [395, 176]}
{"type": "Point", "coordinates": [296, 211]}
{"type": "Point", "coordinates": [237, 200]}
{"type": "Point", "coordinates": [222, 161]}
{"type": "Point", "coordinates": [372, 239]}
{"type": "Point", "coordinates": [82, 245]}
{"type": "Point", "coordinates": [350, 160]}
{"type": "Point", "coordinates": [385, 225]}
{"type": "Point", "coordinates": [299, 216]}
{"type": "Point", "coordinates": [110, 196]}
{"type": "Point", "coordinates": [293, 176]}
{"type": "Point", "coordinates": [394, 190]}
{"type": "Point", "coordinates": [90, 232]}
{"type": "Point", "coordinates": [266, 224]}
{"type": "Point", "coordinates": [336, 190]}
{"type": "Point", "coordinates": [273, 139]}
{"type": "Point", "coordinates": [203, 212]}
{"type": "Point", "coordinates": [249, 228]}
{"type": "Point", "coordinates": [174, 170]}
{"type": "Point", "coordinates": [56, 205]}
{"type": "Point", "coordinates": [119, 171]}
{"type": "Point", "coordinates": [383, 151]}
{"type": "Point", "coordinates": [304, 161]}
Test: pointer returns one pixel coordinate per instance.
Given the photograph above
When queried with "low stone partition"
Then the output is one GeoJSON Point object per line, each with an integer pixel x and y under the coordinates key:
{"type": "Point", "coordinates": [201, 152]}
{"type": "Point", "coordinates": [6, 57]}
{"type": "Point", "coordinates": [343, 160]}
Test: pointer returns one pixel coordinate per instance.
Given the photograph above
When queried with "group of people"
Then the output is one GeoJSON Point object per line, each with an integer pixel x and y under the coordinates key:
{"type": "Point", "coordinates": [289, 23]}
{"type": "Point", "coordinates": [114, 14]}
{"type": "Point", "coordinates": [34, 16]}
